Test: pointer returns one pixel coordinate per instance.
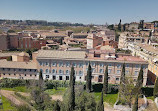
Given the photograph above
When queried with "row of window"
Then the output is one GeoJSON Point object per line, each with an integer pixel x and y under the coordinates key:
{"type": "Point", "coordinates": [67, 64]}
{"type": "Point", "coordinates": [54, 71]}
{"type": "Point", "coordinates": [9, 69]}
{"type": "Point", "coordinates": [19, 74]}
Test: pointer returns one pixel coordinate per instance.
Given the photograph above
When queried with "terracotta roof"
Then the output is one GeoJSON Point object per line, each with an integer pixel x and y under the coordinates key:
{"type": "Point", "coordinates": [61, 54]}
{"type": "Point", "coordinates": [19, 65]}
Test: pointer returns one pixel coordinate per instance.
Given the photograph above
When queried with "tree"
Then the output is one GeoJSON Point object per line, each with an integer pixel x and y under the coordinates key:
{"type": "Point", "coordinates": [88, 78]}
{"type": "Point", "coordinates": [105, 84]}
{"type": "Point", "coordinates": [139, 83]}
{"type": "Point", "coordinates": [122, 84]}
{"type": "Point", "coordinates": [72, 90]}
{"type": "Point", "coordinates": [100, 106]}
{"type": "Point", "coordinates": [135, 106]}
{"type": "Point", "coordinates": [56, 106]}
{"type": "Point", "coordinates": [119, 25]}
{"type": "Point", "coordinates": [61, 41]}
{"type": "Point", "coordinates": [141, 24]}
{"type": "Point", "coordinates": [155, 92]}
{"type": "Point", "coordinates": [40, 81]}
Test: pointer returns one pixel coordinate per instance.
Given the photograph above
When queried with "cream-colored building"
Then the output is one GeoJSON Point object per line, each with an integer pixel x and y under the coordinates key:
{"type": "Point", "coordinates": [148, 53]}
{"type": "Point", "coordinates": [56, 65]}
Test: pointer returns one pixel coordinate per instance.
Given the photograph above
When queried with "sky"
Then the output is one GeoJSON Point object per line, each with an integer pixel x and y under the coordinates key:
{"type": "Point", "coordinates": [80, 11]}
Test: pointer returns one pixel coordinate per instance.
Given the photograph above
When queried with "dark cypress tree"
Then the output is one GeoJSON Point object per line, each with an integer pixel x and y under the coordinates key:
{"type": "Point", "coordinates": [105, 84]}
{"type": "Point", "coordinates": [135, 106]}
{"type": "Point", "coordinates": [139, 83]}
{"type": "Point", "coordinates": [72, 90]}
{"type": "Point", "coordinates": [122, 84]}
{"type": "Point", "coordinates": [100, 106]}
{"type": "Point", "coordinates": [119, 25]}
{"type": "Point", "coordinates": [155, 92]}
{"type": "Point", "coordinates": [40, 82]}
{"type": "Point", "coordinates": [88, 79]}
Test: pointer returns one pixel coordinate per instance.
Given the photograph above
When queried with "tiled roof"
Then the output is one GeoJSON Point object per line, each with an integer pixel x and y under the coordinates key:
{"type": "Point", "coordinates": [61, 54]}
{"type": "Point", "coordinates": [19, 65]}
{"type": "Point", "coordinates": [8, 54]}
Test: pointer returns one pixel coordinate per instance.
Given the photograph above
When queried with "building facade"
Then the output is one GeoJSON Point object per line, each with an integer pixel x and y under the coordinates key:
{"type": "Point", "coordinates": [56, 65]}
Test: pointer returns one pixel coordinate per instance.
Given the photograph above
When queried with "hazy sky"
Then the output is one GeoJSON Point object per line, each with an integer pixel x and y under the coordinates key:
{"type": "Point", "coordinates": [80, 11]}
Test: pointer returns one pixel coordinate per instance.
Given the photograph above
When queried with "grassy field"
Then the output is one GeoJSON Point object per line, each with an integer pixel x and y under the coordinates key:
{"type": "Point", "coordinates": [151, 97]}
{"type": "Point", "coordinates": [109, 98]}
{"type": "Point", "coordinates": [59, 91]}
{"type": "Point", "coordinates": [7, 105]}
{"type": "Point", "coordinates": [17, 89]}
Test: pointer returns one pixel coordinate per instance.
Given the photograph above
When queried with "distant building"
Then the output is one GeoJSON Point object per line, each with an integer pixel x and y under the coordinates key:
{"type": "Point", "coordinates": [133, 26]}
{"type": "Point", "coordinates": [3, 42]}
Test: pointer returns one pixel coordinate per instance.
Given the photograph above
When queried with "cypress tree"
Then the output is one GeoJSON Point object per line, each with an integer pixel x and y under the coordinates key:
{"type": "Point", "coordinates": [155, 92]}
{"type": "Point", "coordinates": [72, 90]}
{"type": "Point", "coordinates": [105, 85]}
{"type": "Point", "coordinates": [139, 83]}
{"type": "Point", "coordinates": [122, 84]}
{"type": "Point", "coordinates": [135, 106]}
{"type": "Point", "coordinates": [88, 79]}
{"type": "Point", "coordinates": [119, 25]}
{"type": "Point", "coordinates": [56, 106]}
{"type": "Point", "coordinates": [40, 83]}
{"type": "Point", "coordinates": [100, 106]}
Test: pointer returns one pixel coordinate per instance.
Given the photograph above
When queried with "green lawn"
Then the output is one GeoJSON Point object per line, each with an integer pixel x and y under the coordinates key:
{"type": "Point", "coordinates": [17, 89]}
{"type": "Point", "coordinates": [109, 98]}
{"type": "Point", "coordinates": [7, 105]}
{"type": "Point", "coordinates": [151, 97]}
{"type": "Point", "coordinates": [59, 91]}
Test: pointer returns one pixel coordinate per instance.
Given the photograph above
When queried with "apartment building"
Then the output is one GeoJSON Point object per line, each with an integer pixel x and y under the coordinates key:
{"type": "Point", "coordinates": [18, 70]}
{"type": "Point", "coordinates": [56, 65]}
{"type": "Point", "coordinates": [127, 38]}
{"type": "Point", "coordinates": [3, 42]}
{"type": "Point", "coordinates": [148, 53]}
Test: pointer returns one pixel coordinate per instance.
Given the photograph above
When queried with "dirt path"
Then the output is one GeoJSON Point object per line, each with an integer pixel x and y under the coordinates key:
{"type": "Point", "coordinates": [10, 95]}
{"type": "Point", "coordinates": [57, 97]}
{"type": "Point", "coordinates": [151, 106]}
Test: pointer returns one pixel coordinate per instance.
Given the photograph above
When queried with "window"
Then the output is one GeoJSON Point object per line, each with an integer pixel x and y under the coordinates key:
{"type": "Point", "coordinates": [75, 72]}
{"type": "Point", "coordinates": [41, 70]}
{"type": "Point", "coordinates": [101, 65]}
{"type": "Point", "coordinates": [30, 74]}
{"type": "Point", "coordinates": [80, 65]}
{"type": "Point", "coordinates": [108, 78]}
{"type": "Point", "coordinates": [47, 76]}
{"type": "Point", "coordinates": [109, 65]}
{"type": "Point", "coordinates": [118, 71]}
{"type": "Point", "coordinates": [93, 70]}
{"type": "Point", "coordinates": [67, 77]}
{"type": "Point", "coordinates": [127, 71]}
{"type": "Point", "coordinates": [80, 77]}
{"type": "Point", "coordinates": [101, 71]}
{"type": "Point", "coordinates": [136, 73]}
{"type": "Point", "coordinates": [54, 64]}
{"type": "Point", "coordinates": [67, 64]}
{"type": "Point", "coordinates": [80, 72]}
{"type": "Point", "coordinates": [54, 71]}
{"type": "Point", "coordinates": [93, 64]}
{"type": "Point", "coordinates": [19, 69]}
{"type": "Point", "coordinates": [109, 71]}
{"type": "Point", "coordinates": [118, 65]}
{"type": "Point", "coordinates": [54, 77]}
{"type": "Point", "coordinates": [67, 71]}
{"type": "Point", "coordinates": [137, 66]}
{"type": "Point", "coordinates": [74, 64]}
{"type": "Point", "coordinates": [60, 77]}
{"type": "Point", "coordinates": [60, 72]}
{"type": "Point", "coordinates": [60, 64]}
{"type": "Point", "coordinates": [127, 65]}
{"type": "Point", "coordinates": [117, 79]}
{"type": "Point", "coordinates": [40, 63]}
{"type": "Point", "coordinates": [47, 71]}
{"type": "Point", "coordinates": [46, 64]}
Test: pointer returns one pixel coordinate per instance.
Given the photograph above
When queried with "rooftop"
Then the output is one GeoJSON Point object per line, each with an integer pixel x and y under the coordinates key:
{"type": "Point", "coordinates": [61, 54]}
{"type": "Point", "coordinates": [6, 54]}
{"type": "Point", "coordinates": [18, 65]}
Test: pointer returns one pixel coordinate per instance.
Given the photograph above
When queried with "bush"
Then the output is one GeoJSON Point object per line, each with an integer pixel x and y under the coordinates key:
{"type": "Point", "coordinates": [23, 108]}
{"type": "Point", "coordinates": [10, 83]}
